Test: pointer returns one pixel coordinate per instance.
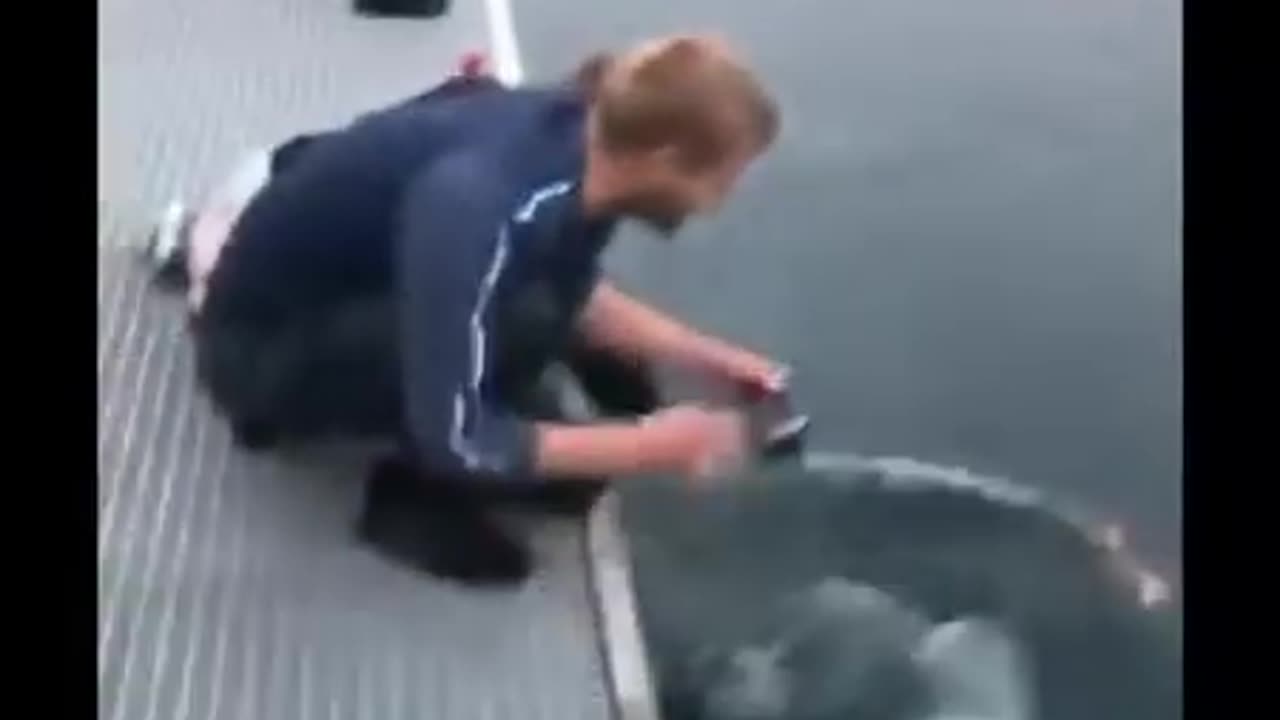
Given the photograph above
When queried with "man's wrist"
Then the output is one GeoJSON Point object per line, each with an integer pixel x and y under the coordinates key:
{"type": "Point", "coordinates": [627, 326]}
{"type": "Point", "coordinates": [602, 449]}
{"type": "Point", "coordinates": [709, 354]}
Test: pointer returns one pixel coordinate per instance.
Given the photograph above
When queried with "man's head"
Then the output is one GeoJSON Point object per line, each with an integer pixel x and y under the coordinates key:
{"type": "Point", "coordinates": [673, 123]}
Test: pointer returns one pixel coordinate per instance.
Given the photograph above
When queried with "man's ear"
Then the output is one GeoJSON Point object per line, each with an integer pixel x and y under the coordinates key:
{"type": "Point", "coordinates": [644, 164]}
{"type": "Point", "coordinates": [590, 74]}
{"type": "Point", "coordinates": [667, 159]}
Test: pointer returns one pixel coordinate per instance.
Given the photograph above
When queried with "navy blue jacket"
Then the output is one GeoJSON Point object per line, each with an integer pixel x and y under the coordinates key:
{"type": "Point", "coordinates": [465, 209]}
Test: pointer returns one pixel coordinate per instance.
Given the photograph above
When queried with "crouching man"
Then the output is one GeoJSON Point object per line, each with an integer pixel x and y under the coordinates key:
{"type": "Point", "coordinates": [413, 274]}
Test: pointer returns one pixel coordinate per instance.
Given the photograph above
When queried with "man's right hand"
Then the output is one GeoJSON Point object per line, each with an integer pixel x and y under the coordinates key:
{"type": "Point", "coordinates": [696, 442]}
{"type": "Point", "coordinates": [688, 440]}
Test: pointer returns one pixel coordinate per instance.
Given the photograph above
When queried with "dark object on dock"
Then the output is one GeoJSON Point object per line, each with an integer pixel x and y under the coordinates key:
{"type": "Point", "coordinates": [402, 8]}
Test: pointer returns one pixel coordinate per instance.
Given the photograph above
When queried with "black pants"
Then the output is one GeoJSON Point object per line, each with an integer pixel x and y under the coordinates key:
{"type": "Point", "coordinates": [338, 374]}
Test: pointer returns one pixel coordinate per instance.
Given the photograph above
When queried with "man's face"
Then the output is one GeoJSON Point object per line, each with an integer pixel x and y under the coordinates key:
{"type": "Point", "coordinates": [664, 192]}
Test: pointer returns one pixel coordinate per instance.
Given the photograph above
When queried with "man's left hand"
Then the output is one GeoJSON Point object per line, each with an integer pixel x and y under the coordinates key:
{"type": "Point", "coordinates": [612, 319]}
{"type": "Point", "coordinates": [750, 371]}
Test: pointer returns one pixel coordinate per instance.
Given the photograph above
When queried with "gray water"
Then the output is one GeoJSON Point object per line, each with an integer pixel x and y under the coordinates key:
{"type": "Point", "coordinates": [967, 241]}
{"type": "Point", "coordinates": [967, 668]}
{"type": "Point", "coordinates": [883, 594]}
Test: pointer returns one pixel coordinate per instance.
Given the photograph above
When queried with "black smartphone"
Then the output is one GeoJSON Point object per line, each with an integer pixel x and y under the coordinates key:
{"type": "Point", "coordinates": [776, 428]}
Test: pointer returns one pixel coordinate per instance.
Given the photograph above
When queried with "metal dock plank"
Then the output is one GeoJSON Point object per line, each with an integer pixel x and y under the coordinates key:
{"type": "Point", "coordinates": [229, 584]}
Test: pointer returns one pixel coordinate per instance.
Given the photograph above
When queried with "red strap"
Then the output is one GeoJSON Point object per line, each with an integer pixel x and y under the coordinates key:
{"type": "Point", "coordinates": [473, 65]}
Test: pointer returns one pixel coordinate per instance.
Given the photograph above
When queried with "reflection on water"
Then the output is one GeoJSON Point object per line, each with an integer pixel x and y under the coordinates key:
{"type": "Point", "coordinates": [842, 649]}
{"type": "Point", "coordinates": [871, 592]}
{"type": "Point", "coordinates": [976, 670]}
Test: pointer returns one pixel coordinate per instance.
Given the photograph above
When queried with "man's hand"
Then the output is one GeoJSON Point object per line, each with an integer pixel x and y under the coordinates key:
{"type": "Point", "coordinates": [746, 370]}
{"type": "Point", "coordinates": [686, 440]}
{"type": "Point", "coordinates": [696, 442]}
{"type": "Point", "coordinates": [618, 322]}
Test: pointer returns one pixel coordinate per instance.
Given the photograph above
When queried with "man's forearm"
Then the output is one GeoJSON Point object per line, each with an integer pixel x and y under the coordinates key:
{"type": "Point", "coordinates": [618, 322]}
{"type": "Point", "coordinates": [592, 451]}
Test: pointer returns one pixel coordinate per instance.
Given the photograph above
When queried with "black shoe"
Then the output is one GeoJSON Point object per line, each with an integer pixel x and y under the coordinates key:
{"type": "Point", "coordinates": [436, 528]}
{"type": "Point", "coordinates": [570, 498]}
{"type": "Point", "coordinates": [168, 246]}
{"type": "Point", "coordinates": [402, 8]}
{"type": "Point", "coordinates": [552, 496]}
